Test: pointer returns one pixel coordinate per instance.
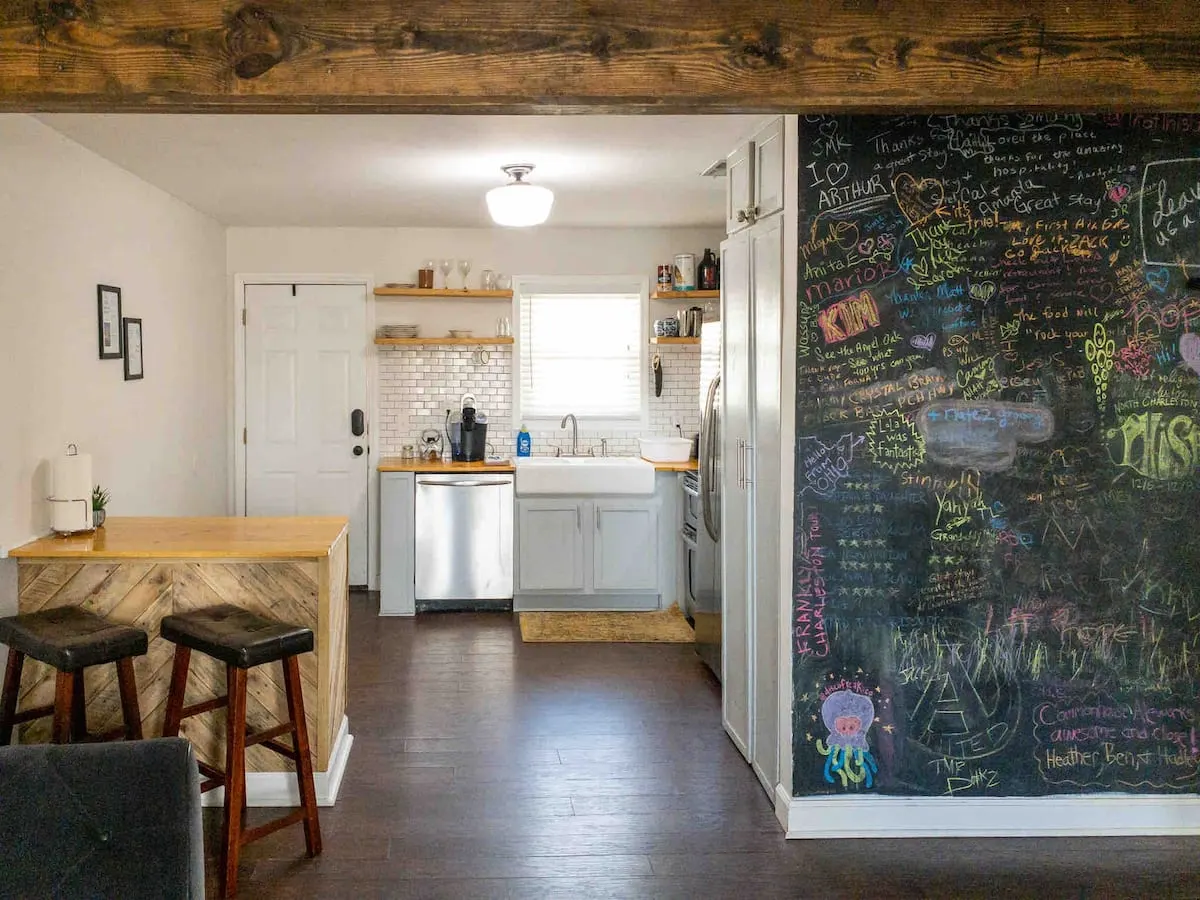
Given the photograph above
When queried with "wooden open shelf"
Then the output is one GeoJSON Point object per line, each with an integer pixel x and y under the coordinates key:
{"type": "Point", "coordinates": [417, 293]}
{"type": "Point", "coordinates": [440, 341]}
{"type": "Point", "coordinates": [674, 340]}
{"type": "Point", "coordinates": [686, 295]}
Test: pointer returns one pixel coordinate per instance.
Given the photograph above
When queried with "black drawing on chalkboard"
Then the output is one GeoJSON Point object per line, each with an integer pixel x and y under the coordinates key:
{"type": "Point", "coordinates": [997, 470]}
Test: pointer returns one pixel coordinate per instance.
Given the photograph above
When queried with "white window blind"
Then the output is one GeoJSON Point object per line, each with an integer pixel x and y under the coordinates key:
{"type": "Point", "coordinates": [581, 352]}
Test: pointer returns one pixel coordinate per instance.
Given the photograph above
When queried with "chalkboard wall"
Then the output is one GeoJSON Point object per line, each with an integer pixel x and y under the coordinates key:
{"type": "Point", "coordinates": [997, 585]}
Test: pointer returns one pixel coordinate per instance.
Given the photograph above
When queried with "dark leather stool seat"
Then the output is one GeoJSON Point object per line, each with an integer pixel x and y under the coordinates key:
{"type": "Point", "coordinates": [69, 640]}
{"type": "Point", "coordinates": [235, 636]}
{"type": "Point", "coordinates": [242, 640]}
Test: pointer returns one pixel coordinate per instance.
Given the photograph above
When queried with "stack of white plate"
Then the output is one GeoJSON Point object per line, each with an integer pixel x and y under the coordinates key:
{"type": "Point", "coordinates": [398, 331]}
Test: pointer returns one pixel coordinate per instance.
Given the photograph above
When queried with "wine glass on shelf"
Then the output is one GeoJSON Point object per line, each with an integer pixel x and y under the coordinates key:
{"type": "Point", "coordinates": [464, 269]}
{"type": "Point", "coordinates": [444, 267]}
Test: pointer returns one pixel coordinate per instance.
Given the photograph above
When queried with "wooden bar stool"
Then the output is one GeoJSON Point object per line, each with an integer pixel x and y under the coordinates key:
{"type": "Point", "coordinates": [70, 639]}
{"type": "Point", "coordinates": [243, 640]}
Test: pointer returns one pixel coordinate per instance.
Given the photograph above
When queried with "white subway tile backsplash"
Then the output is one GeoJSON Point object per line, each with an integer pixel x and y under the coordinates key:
{"type": "Point", "coordinates": [418, 384]}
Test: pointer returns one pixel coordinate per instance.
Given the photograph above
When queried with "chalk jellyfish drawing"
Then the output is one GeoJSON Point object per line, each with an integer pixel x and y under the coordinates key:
{"type": "Point", "coordinates": [848, 716]}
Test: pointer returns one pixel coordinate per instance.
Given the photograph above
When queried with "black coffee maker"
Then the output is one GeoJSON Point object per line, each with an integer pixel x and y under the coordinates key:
{"type": "Point", "coordinates": [467, 433]}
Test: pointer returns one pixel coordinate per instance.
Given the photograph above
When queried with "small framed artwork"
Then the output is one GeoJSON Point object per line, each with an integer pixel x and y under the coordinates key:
{"type": "Point", "coordinates": [108, 314]}
{"type": "Point", "coordinates": [133, 349]}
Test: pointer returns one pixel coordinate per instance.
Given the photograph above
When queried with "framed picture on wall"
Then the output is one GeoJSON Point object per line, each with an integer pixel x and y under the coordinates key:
{"type": "Point", "coordinates": [133, 349]}
{"type": "Point", "coordinates": [108, 315]}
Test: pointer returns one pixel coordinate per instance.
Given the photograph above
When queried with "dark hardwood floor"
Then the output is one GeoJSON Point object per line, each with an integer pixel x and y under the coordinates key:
{"type": "Point", "coordinates": [487, 768]}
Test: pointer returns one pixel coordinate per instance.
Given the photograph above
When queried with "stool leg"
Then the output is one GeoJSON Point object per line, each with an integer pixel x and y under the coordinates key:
{"type": "Point", "coordinates": [8, 700]}
{"type": "Point", "coordinates": [304, 772]}
{"type": "Point", "coordinates": [177, 690]}
{"type": "Point", "coordinates": [235, 781]}
{"type": "Point", "coordinates": [64, 698]}
{"type": "Point", "coordinates": [79, 730]}
{"type": "Point", "coordinates": [129, 699]}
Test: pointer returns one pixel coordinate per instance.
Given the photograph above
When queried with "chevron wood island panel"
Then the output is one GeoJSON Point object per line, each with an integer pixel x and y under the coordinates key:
{"type": "Point", "coordinates": [309, 592]}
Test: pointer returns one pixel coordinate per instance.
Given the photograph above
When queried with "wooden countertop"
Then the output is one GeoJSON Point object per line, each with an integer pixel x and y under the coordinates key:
{"type": "Point", "coordinates": [395, 464]}
{"type": "Point", "coordinates": [443, 467]}
{"type": "Point", "coordinates": [690, 465]}
{"type": "Point", "coordinates": [297, 537]}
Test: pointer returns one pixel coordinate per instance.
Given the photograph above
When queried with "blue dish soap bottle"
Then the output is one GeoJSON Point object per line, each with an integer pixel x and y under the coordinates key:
{"type": "Point", "coordinates": [524, 442]}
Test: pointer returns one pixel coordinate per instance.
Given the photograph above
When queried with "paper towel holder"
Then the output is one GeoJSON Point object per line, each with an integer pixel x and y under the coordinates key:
{"type": "Point", "coordinates": [73, 450]}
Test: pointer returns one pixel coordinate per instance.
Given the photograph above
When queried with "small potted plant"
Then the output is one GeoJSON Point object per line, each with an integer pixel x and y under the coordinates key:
{"type": "Point", "coordinates": [99, 501]}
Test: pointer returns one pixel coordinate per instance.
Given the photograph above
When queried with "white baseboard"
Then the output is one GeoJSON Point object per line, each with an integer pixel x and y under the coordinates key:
{"type": "Point", "coordinates": [1086, 815]}
{"type": "Point", "coordinates": [279, 788]}
{"type": "Point", "coordinates": [587, 603]}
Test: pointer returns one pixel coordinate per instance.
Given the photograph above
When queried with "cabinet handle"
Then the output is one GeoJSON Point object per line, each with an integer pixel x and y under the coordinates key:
{"type": "Point", "coordinates": [741, 463]}
{"type": "Point", "coordinates": [596, 511]}
{"type": "Point", "coordinates": [578, 519]}
{"type": "Point", "coordinates": [741, 215]}
{"type": "Point", "coordinates": [748, 450]}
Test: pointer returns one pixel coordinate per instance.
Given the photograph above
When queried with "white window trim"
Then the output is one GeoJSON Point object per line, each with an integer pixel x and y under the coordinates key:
{"type": "Point", "coordinates": [523, 284]}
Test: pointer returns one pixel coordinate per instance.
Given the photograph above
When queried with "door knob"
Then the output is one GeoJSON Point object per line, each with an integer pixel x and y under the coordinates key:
{"type": "Point", "coordinates": [358, 450]}
{"type": "Point", "coordinates": [357, 426]}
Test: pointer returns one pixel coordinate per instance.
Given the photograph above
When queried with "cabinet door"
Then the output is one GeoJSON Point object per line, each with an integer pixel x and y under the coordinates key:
{"type": "Point", "coordinates": [625, 547]}
{"type": "Point", "coordinates": [766, 246]}
{"type": "Point", "coordinates": [736, 588]}
{"type": "Point", "coordinates": [550, 545]}
{"type": "Point", "coordinates": [768, 169]}
{"type": "Point", "coordinates": [739, 187]}
{"type": "Point", "coordinates": [397, 548]}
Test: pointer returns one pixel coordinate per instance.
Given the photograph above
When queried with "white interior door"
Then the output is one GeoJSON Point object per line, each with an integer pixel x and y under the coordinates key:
{"type": "Point", "coordinates": [736, 538]}
{"type": "Point", "coordinates": [306, 374]}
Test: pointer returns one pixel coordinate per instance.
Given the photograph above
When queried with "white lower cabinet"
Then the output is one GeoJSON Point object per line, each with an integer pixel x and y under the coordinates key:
{"type": "Point", "coordinates": [625, 546]}
{"type": "Point", "coordinates": [588, 553]}
{"type": "Point", "coordinates": [550, 555]}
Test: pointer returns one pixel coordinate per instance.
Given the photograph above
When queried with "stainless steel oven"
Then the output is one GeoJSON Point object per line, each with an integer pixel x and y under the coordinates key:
{"type": "Point", "coordinates": [703, 575]}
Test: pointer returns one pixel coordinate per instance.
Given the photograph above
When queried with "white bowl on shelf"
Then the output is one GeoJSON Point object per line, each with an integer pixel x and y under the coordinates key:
{"type": "Point", "coordinates": [665, 449]}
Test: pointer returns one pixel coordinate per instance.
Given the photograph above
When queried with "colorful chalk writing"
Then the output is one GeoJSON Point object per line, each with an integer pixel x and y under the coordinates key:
{"type": "Point", "coordinates": [997, 455]}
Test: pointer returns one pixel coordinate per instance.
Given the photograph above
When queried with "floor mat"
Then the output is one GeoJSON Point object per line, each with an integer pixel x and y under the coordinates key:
{"type": "Point", "coordinates": [666, 626]}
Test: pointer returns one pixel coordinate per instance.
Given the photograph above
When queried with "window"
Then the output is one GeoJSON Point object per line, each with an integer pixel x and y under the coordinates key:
{"type": "Point", "coordinates": [582, 349]}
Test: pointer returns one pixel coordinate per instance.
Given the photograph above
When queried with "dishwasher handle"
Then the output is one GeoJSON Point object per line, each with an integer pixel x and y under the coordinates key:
{"type": "Point", "coordinates": [470, 484]}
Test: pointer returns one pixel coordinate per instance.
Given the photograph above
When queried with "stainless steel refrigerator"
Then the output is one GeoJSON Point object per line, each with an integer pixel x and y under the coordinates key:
{"type": "Point", "coordinates": [704, 554]}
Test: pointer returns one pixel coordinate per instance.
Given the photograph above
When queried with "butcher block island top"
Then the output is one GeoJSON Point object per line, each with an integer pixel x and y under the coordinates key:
{"type": "Point", "coordinates": [185, 538]}
{"type": "Point", "coordinates": [137, 570]}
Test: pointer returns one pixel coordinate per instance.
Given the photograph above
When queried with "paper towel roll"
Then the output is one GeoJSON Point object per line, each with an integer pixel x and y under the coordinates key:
{"type": "Point", "coordinates": [71, 477]}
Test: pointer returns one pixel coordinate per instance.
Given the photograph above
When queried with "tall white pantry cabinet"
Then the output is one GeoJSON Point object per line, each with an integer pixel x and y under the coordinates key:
{"type": "Point", "coordinates": [752, 285]}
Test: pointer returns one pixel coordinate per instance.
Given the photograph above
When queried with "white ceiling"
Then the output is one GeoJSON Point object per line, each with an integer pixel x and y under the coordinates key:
{"type": "Point", "coordinates": [426, 171]}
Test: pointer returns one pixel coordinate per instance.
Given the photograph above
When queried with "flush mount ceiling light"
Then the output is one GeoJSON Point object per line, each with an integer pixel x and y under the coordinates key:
{"type": "Point", "coordinates": [519, 204]}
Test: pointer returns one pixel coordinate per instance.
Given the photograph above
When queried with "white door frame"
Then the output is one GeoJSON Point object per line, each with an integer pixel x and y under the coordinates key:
{"type": "Point", "coordinates": [237, 416]}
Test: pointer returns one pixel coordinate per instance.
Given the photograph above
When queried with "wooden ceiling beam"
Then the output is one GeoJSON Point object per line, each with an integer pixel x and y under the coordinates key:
{"type": "Point", "coordinates": [479, 56]}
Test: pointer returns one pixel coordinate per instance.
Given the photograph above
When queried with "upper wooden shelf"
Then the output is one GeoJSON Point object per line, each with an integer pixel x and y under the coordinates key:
{"type": "Point", "coordinates": [417, 293]}
{"type": "Point", "coordinates": [418, 341]}
{"type": "Point", "coordinates": [686, 295]}
{"type": "Point", "coordinates": [674, 340]}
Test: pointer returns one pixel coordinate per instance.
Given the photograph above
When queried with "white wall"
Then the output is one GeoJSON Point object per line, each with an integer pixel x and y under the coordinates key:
{"type": "Point", "coordinates": [395, 254]}
{"type": "Point", "coordinates": [70, 220]}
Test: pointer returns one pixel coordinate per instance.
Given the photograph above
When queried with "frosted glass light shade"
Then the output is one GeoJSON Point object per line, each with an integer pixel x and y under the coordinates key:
{"type": "Point", "coordinates": [520, 204]}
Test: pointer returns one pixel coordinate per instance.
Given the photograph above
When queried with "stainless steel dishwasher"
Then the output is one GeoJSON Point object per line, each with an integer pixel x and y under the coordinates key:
{"type": "Point", "coordinates": [464, 537]}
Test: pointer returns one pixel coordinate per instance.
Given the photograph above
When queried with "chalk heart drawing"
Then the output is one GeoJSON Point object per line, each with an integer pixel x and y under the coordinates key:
{"type": "Point", "coordinates": [1158, 278]}
{"type": "Point", "coordinates": [983, 290]}
{"type": "Point", "coordinates": [1189, 351]}
{"type": "Point", "coordinates": [923, 341]}
{"type": "Point", "coordinates": [918, 200]}
{"type": "Point", "coordinates": [866, 246]}
{"type": "Point", "coordinates": [1118, 192]}
{"type": "Point", "coordinates": [836, 173]}
{"type": "Point", "coordinates": [981, 434]}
